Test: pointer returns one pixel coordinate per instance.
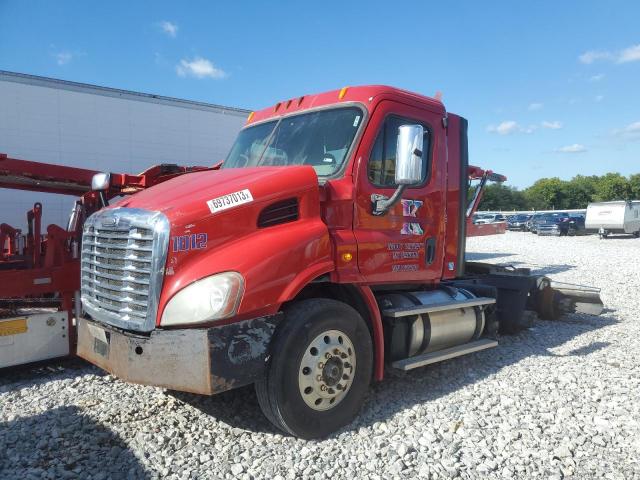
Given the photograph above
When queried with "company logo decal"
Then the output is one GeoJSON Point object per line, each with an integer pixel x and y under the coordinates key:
{"type": "Point", "coordinates": [184, 243]}
{"type": "Point", "coordinates": [411, 228]}
{"type": "Point", "coordinates": [229, 201]}
{"type": "Point", "coordinates": [410, 207]}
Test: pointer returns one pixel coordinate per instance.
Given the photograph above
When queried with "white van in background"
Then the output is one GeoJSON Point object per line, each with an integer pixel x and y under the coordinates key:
{"type": "Point", "coordinates": [614, 217]}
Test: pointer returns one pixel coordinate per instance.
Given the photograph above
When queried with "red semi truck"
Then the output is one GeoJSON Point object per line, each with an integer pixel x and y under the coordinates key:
{"type": "Point", "coordinates": [329, 244]}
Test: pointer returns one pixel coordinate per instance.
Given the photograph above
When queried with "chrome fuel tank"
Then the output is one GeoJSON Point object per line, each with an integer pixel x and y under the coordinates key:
{"type": "Point", "coordinates": [429, 332]}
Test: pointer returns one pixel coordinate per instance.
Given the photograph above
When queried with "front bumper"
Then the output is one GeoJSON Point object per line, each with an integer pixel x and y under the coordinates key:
{"type": "Point", "coordinates": [197, 360]}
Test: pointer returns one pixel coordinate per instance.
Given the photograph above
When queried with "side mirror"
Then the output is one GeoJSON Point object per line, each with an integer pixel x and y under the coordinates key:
{"type": "Point", "coordinates": [100, 183]}
{"type": "Point", "coordinates": [408, 166]}
{"type": "Point", "coordinates": [409, 155]}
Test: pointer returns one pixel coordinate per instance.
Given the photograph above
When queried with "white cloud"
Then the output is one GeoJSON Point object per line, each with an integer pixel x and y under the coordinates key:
{"type": "Point", "coordinates": [171, 29]}
{"type": "Point", "coordinates": [199, 68]}
{"type": "Point", "coordinates": [535, 106]}
{"type": "Point", "coordinates": [626, 55]}
{"type": "Point", "coordinates": [596, 78]}
{"type": "Point", "coordinates": [505, 128]}
{"type": "Point", "coordinates": [630, 54]}
{"type": "Point", "coordinates": [593, 55]}
{"type": "Point", "coordinates": [630, 132]}
{"type": "Point", "coordinates": [511, 126]}
{"type": "Point", "coordinates": [62, 58]}
{"type": "Point", "coordinates": [633, 127]}
{"type": "Point", "coordinates": [575, 148]}
{"type": "Point", "coordinates": [552, 125]}
{"type": "Point", "coordinates": [599, 98]}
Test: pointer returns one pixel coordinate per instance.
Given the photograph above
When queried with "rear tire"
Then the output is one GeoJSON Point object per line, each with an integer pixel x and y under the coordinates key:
{"type": "Point", "coordinates": [319, 371]}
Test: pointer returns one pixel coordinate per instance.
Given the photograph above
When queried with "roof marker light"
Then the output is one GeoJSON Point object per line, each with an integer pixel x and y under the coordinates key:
{"type": "Point", "coordinates": [277, 106]}
{"type": "Point", "coordinates": [288, 104]}
{"type": "Point", "coordinates": [250, 117]}
{"type": "Point", "coordinates": [300, 100]}
{"type": "Point", "coordinates": [343, 92]}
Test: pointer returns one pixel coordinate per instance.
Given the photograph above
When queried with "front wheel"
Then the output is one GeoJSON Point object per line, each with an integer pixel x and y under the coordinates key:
{"type": "Point", "coordinates": [319, 371]}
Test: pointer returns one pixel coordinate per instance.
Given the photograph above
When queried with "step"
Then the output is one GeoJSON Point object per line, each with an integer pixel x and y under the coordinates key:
{"type": "Point", "coordinates": [441, 355]}
{"type": "Point", "coordinates": [438, 307]}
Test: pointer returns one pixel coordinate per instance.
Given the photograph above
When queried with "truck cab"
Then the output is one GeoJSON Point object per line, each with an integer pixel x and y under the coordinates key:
{"type": "Point", "coordinates": [328, 244]}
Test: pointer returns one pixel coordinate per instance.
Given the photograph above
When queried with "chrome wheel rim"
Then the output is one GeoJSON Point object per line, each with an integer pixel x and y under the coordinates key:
{"type": "Point", "coordinates": [327, 370]}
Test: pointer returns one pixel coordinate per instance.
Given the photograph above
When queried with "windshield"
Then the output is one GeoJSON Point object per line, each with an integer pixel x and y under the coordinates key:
{"type": "Point", "coordinates": [320, 139]}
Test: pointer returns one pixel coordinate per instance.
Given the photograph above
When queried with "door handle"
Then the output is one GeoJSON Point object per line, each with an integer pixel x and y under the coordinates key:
{"type": "Point", "coordinates": [430, 250]}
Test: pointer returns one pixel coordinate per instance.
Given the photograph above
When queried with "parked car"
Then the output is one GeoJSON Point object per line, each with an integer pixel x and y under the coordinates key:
{"type": "Point", "coordinates": [518, 222]}
{"type": "Point", "coordinates": [532, 222]}
{"type": "Point", "coordinates": [560, 224]}
{"type": "Point", "coordinates": [488, 218]}
{"type": "Point", "coordinates": [548, 220]}
{"type": "Point", "coordinates": [614, 217]}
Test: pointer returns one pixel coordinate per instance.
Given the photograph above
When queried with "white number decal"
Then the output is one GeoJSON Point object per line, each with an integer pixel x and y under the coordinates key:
{"type": "Point", "coordinates": [229, 201]}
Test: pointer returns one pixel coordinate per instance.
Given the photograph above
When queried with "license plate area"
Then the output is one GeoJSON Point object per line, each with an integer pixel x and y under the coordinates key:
{"type": "Point", "coordinates": [101, 340]}
{"type": "Point", "coordinates": [100, 347]}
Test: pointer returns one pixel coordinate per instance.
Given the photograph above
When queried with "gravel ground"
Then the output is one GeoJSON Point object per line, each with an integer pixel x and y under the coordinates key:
{"type": "Point", "coordinates": [561, 400]}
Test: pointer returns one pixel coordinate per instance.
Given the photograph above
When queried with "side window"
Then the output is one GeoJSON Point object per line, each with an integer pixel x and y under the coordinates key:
{"type": "Point", "coordinates": [381, 168]}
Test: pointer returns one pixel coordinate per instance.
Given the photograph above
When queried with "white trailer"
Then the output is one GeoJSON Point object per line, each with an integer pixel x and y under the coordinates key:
{"type": "Point", "coordinates": [105, 129]}
{"type": "Point", "coordinates": [79, 125]}
{"type": "Point", "coordinates": [614, 217]}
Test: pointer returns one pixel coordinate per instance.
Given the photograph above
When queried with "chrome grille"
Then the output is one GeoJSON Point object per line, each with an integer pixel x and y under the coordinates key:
{"type": "Point", "coordinates": [123, 255]}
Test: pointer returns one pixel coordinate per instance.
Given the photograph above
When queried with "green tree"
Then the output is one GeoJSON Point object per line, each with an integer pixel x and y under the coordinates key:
{"type": "Point", "coordinates": [500, 197]}
{"type": "Point", "coordinates": [612, 186]}
{"type": "Point", "coordinates": [634, 186]}
{"type": "Point", "coordinates": [580, 191]}
{"type": "Point", "coordinates": [546, 193]}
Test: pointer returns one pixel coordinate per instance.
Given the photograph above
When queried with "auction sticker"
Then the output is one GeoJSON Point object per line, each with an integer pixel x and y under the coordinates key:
{"type": "Point", "coordinates": [229, 201]}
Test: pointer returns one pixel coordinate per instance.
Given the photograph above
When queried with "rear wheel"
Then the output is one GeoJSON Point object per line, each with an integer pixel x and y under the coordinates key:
{"type": "Point", "coordinates": [319, 371]}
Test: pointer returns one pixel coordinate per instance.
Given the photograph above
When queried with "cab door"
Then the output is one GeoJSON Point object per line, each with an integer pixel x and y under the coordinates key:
{"type": "Point", "coordinates": [406, 243]}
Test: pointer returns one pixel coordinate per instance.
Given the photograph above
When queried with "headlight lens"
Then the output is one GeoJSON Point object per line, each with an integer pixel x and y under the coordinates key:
{"type": "Point", "coordinates": [211, 298]}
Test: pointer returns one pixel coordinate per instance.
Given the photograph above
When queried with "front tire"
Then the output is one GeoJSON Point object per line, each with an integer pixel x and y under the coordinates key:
{"type": "Point", "coordinates": [319, 371]}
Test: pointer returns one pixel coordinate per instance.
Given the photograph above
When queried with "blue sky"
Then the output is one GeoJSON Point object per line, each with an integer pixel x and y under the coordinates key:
{"type": "Point", "coordinates": [549, 88]}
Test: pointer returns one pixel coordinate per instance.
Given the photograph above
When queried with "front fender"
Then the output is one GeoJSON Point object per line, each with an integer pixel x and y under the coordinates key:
{"type": "Point", "coordinates": [276, 262]}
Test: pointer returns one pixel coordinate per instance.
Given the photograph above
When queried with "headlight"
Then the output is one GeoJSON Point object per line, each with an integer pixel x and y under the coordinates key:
{"type": "Point", "coordinates": [211, 298]}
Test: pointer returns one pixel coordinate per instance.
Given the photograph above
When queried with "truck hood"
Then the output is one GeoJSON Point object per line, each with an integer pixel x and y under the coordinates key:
{"type": "Point", "coordinates": [184, 199]}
